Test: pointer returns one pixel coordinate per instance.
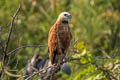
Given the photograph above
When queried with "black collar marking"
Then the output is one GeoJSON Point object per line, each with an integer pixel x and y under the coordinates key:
{"type": "Point", "coordinates": [65, 22]}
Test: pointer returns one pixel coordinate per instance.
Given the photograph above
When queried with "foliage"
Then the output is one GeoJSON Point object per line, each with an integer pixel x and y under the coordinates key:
{"type": "Point", "coordinates": [95, 24]}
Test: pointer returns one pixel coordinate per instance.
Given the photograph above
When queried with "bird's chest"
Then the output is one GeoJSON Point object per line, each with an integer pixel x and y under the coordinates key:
{"type": "Point", "coordinates": [64, 34]}
{"type": "Point", "coordinates": [64, 29]}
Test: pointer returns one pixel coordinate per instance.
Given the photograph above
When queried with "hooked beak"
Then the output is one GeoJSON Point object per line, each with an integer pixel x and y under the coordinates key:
{"type": "Point", "coordinates": [69, 16]}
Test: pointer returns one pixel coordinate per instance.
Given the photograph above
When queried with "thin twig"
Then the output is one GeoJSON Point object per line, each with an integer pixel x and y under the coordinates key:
{"type": "Point", "coordinates": [109, 57]}
{"type": "Point", "coordinates": [8, 40]}
{"type": "Point", "coordinates": [25, 46]}
{"type": "Point", "coordinates": [11, 28]}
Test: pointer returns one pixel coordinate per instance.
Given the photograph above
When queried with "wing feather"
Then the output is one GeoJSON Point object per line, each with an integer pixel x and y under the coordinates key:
{"type": "Point", "coordinates": [53, 43]}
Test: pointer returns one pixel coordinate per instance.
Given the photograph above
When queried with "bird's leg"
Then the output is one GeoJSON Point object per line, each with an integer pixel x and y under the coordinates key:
{"type": "Point", "coordinates": [62, 58]}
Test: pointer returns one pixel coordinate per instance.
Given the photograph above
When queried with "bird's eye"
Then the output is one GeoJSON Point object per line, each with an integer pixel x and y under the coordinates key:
{"type": "Point", "coordinates": [65, 14]}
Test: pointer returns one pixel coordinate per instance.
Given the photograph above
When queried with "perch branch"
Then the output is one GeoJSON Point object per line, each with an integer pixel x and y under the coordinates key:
{"type": "Point", "coordinates": [52, 66]}
{"type": "Point", "coordinates": [35, 73]}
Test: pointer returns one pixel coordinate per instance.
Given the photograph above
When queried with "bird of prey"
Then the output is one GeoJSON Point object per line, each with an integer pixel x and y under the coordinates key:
{"type": "Point", "coordinates": [59, 38]}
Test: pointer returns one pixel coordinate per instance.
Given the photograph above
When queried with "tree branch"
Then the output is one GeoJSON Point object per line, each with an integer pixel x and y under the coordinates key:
{"type": "Point", "coordinates": [53, 67]}
{"type": "Point", "coordinates": [25, 46]}
{"type": "Point", "coordinates": [3, 63]}
{"type": "Point", "coordinates": [12, 75]}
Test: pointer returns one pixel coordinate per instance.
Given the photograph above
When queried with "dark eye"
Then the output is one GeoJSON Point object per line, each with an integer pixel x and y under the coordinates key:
{"type": "Point", "coordinates": [65, 14]}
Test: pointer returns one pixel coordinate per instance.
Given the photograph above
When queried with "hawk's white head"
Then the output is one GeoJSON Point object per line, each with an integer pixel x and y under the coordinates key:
{"type": "Point", "coordinates": [64, 16]}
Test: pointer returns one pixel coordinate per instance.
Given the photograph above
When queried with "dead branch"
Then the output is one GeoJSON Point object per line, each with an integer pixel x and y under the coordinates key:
{"type": "Point", "coordinates": [12, 75]}
{"type": "Point", "coordinates": [53, 67]}
{"type": "Point", "coordinates": [25, 46]}
{"type": "Point", "coordinates": [35, 73]}
{"type": "Point", "coordinates": [109, 57]}
{"type": "Point", "coordinates": [3, 63]}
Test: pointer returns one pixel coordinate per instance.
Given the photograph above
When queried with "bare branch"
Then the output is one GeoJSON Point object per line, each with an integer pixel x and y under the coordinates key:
{"type": "Point", "coordinates": [8, 40]}
{"type": "Point", "coordinates": [105, 53]}
{"type": "Point", "coordinates": [11, 28]}
{"type": "Point", "coordinates": [35, 73]}
{"type": "Point", "coordinates": [25, 46]}
{"type": "Point", "coordinates": [53, 67]}
{"type": "Point", "coordinates": [12, 75]}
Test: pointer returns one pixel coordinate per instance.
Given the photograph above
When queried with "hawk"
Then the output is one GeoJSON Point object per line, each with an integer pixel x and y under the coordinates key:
{"type": "Point", "coordinates": [59, 38]}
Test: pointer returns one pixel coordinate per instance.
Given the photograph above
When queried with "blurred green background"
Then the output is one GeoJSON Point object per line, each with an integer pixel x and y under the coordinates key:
{"type": "Point", "coordinates": [95, 24]}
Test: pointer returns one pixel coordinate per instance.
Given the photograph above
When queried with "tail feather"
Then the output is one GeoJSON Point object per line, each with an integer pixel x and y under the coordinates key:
{"type": "Point", "coordinates": [53, 57]}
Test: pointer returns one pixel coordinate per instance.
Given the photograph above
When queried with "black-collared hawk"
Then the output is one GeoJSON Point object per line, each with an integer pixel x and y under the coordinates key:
{"type": "Point", "coordinates": [59, 38]}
